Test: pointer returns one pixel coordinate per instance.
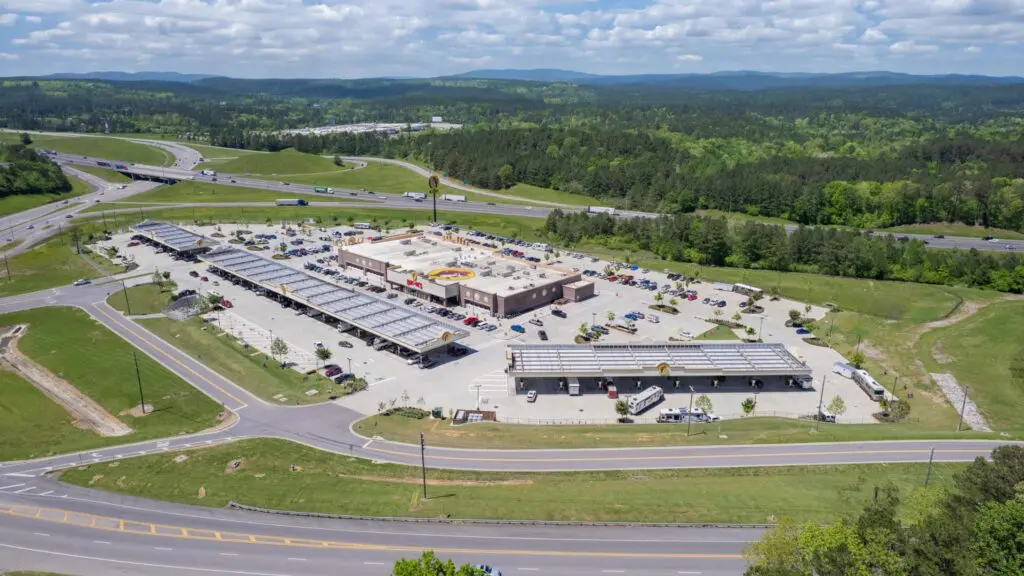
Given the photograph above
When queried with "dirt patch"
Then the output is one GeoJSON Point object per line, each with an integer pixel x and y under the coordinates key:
{"type": "Point", "coordinates": [95, 479]}
{"type": "Point", "coordinates": [438, 482]}
{"type": "Point", "coordinates": [955, 394]}
{"type": "Point", "coordinates": [137, 411]}
{"type": "Point", "coordinates": [940, 356]}
{"type": "Point", "coordinates": [85, 412]}
{"type": "Point", "coordinates": [234, 466]}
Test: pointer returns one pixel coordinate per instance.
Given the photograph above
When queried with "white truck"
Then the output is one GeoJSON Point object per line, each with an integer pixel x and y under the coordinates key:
{"type": "Point", "coordinates": [208, 172]}
{"type": "Point", "coordinates": [645, 400]}
{"type": "Point", "coordinates": [415, 195]}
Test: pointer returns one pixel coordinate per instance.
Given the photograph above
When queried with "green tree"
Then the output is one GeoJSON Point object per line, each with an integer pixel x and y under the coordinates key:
{"type": "Point", "coordinates": [736, 316]}
{"type": "Point", "coordinates": [279, 349]}
{"type": "Point", "coordinates": [621, 408]}
{"type": "Point", "coordinates": [704, 403]}
{"type": "Point", "coordinates": [807, 308]}
{"type": "Point", "coordinates": [323, 354]}
{"type": "Point", "coordinates": [584, 329]}
{"type": "Point", "coordinates": [430, 565]}
{"type": "Point", "coordinates": [26, 139]}
{"type": "Point", "coordinates": [611, 316]}
{"type": "Point", "coordinates": [673, 302]}
{"type": "Point", "coordinates": [659, 297]}
{"type": "Point", "coordinates": [214, 299]}
{"type": "Point", "coordinates": [837, 405]}
{"type": "Point", "coordinates": [166, 275]}
{"type": "Point", "coordinates": [794, 315]}
{"type": "Point", "coordinates": [857, 360]}
{"type": "Point", "coordinates": [996, 546]}
{"type": "Point", "coordinates": [157, 279]}
{"type": "Point", "coordinates": [748, 405]}
{"type": "Point", "coordinates": [505, 177]}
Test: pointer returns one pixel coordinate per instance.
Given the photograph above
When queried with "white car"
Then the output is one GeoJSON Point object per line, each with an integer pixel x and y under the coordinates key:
{"type": "Point", "coordinates": [531, 396]}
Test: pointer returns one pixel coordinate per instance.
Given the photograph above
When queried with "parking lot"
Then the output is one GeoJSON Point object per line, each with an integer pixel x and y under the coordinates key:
{"type": "Point", "coordinates": [478, 377]}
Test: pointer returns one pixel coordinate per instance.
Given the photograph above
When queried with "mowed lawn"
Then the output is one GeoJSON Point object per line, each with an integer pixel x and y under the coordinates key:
{"type": "Point", "coordinates": [20, 202]}
{"type": "Point", "coordinates": [278, 164]}
{"type": "Point", "coordinates": [191, 192]}
{"type": "Point", "coordinates": [985, 352]}
{"type": "Point", "coordinates": [107, 174]}
{"type": "Point", "coordinates": [47, 265]}
{"type": "Point", "coordinates": [333, 483]}
{"type": "Point", "coordinates": [957, 229]}
{"type": "Point", "coordinates": [97, 147]}
{"type": "Point", "coordinates": [142, 299]}
{"type": "Point", "coordinates": [530, 192]}
{"type": "Point", "coordinates": [754, 430]}
{"type": "Point", "coordinates": [719, 333]}
{"type": "Point", "coordinates": [31, 424]}
{"type": "Point", "coordinates": [247, 367]}
{"type": "Point", "coordinates": [100, 364]}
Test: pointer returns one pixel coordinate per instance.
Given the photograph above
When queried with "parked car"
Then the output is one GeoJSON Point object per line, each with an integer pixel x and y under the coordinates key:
{"type": "Point", "coordinates": [542, 335]}
{"type": "Point", "coordinates": [536, 322]}
{"type": "Point", "coordinates": [517, 328]}
{"type": "Point", "coordinates": [428, 363]}
{"type": "Point", "coordinates": [344, 343]}
{"type": "Point", "coordinates": [531, 396]}
{"type": "Point", "coordinates": [193, 274]}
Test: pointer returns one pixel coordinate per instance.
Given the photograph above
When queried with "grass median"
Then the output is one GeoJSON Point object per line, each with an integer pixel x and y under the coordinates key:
{"type": "Point", "coordinates": [142, 299]}
{"type": "Point", "coordinates": [245, 366]}
{"type": "Point", "coordinates": [52, 263]}
{"type": "Point", "coordinates": [331, 483]}
{"type": "Point", "coordinates": [106, 174]}
{"type": "Point", "coordinates": [191, 192]}
{"type": "Point", "coordinates": [97, 147]}
{"type": "Point", "coordinates": [21, 202]}
{"type": "Point", "coordinates": [101, 365]}
{"type": "Point", "coordinates": [754, 430]}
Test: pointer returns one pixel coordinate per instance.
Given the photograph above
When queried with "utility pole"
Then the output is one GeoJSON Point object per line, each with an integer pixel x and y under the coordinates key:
{"type": "Point", "coordinates": [138, 378]}
{"type": "Point", "coordinates": [963, 406]}
{"type": "Point", "coordinates": [423, 462]}
{"type": "Point", "coordinates": [127, 305]}
{"type": "Point", "coordinates": [8, 266]}
{"type": "Point", "coordinates": [689, 414]}
{"type": "Point", "coordinates": [433, 183]}
{"type": "Point", "coordinates": [817, 420]}
{"type": "Point", "coordinates": [928, 474]}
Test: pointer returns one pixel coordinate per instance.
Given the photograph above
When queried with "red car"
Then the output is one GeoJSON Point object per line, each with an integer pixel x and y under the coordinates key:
{"type": "Point", "coordinates": [205, 279]}
{"type": "Point", "coordinates": [691, 297]}
{"type": "Point", "coordinates": [469, 320]}
{"type": "Point", "coordinates": [227, 304]}
{"type": "Point", "coordinates": [134, 243]}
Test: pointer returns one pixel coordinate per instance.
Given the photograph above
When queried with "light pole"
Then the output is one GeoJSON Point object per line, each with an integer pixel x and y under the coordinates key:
{"type": "Point", "coordinates": [349, 364]}
{"type": "Point", "coordinates": [760, 328]}
{"type": "Point", "coordinates": [817, 421]}
{"type": "Point", "coordinates": [127, 305]}
{"type": "Point", "coordinates": [478, 396]}
{"type": "Point", "coordinates": [963, 406]}
{"type": "Point", "coordinates": [689, 414]}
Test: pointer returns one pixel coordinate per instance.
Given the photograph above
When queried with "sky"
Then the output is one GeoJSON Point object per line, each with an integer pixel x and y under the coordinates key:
{"type": "Point", "coordinates": [422, 38]}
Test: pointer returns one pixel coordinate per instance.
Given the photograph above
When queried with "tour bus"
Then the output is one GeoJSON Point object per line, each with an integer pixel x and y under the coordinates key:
{"type": "Point", "coordinates": [645, 400]}
{"type": "Point", "coordinates": [868, 384]}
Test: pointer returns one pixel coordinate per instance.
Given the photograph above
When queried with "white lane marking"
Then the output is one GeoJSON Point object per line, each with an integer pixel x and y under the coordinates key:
{"type": "Point", "coordinates": [297, 559]}
{"type": "Point", "coordinates": [130, 563]}
{"type": "Point", "coordinates": [40, 533]}
{"type": "Point", "coordinates": [374, 563]}
{"type": "Point", "coordinates": [25, 489]}
{"type": "Point", "coordinates": [161, 548]}
{"type": "Point", "coordinates": [364, 446]}
{"type": "Point", "coordinates": [228, 554]}
{"type": "Point", "coordinates": [613, 571]}
{"type": "Point", "coordinates": [12, 486]}
{"type": "Point", "coordinates": [20, 475]}
{"type": "Point", "coordinates": [100, 542]}
{"type": "Point", "coordinates": [47, 493]}
{"type": "Point", "coordinates": [685, 572]}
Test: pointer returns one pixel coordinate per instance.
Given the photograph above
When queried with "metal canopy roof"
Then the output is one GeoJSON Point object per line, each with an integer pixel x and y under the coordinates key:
{"type": "Point", "coordinates": [173, 237]}
{"type": "Point", "coordinates": [656, 359]}
{"type": "Point", "coordinates": [405, 326]}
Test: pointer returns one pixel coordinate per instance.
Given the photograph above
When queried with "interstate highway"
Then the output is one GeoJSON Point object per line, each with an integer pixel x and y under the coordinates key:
{"type": "Point", "coordinates": [400, 202]}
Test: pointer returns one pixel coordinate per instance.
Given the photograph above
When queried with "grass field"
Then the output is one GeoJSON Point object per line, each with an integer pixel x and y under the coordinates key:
{"type": "Point", "coordinates": [98, 147]}
{"type": "Point", "coordinates": [281, 164]}
{"type": "Point", "coordinates": [20, 202]}
{"type": "Point", "coordinates": [102, 367]}
{"type": "Point", "coordinates": [529, 192]}
{"type": "Point", "coordinates": [760, 430]}
{"type": "Point", "coordinates": [52, 263]}
{"type": "Point", "coordinates": [142, 299]}
{"type": "Point", "coordinates": [246, 367]}
{"type": "Point", "coordinates": [951, 229]}
{"type": "Point", "coordinates": [339, 484]}
{"type": "Point", "coordinates": [206, 192]}
{"type": "Point", "coordinates": [718, 333]}
{"type": "Point", "coordinates": [29, 421]}
{"type": "Point", "coordinates": [107, 174]}
{"type": "Point", "coordinates": [982, 351]}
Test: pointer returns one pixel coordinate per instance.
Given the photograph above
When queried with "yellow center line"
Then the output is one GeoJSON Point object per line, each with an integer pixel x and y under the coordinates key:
{"type": "Point", "coordinates": [168, 531]}
{"type": "Point", "coordinates": [128, 329]}
{"type": "Point", "coordinates": [752, 454]}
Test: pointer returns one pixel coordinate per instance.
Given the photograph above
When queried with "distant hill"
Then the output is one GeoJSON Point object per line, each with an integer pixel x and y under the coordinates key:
{"type": "Point", "coordinates": [741, 79]}
{"type": "Point", "coordinates": [127, 76]}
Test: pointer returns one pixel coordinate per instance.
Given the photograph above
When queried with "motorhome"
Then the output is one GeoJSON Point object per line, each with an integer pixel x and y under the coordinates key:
{"type": "Point", "coordinates": [645, 400]}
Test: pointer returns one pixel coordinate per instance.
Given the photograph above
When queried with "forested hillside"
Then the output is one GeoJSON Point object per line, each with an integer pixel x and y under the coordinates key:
{"type": "Point", "coordinates": [27, 172]}
{"type": "Point", "coordinates": [862, 156]}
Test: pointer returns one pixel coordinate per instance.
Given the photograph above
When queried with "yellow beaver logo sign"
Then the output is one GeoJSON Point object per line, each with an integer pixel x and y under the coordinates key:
{"type": "Point", "coordinates": [663, 368]}
{"type": "Point", "coordinates": [446, 337]}
{"type": "Point", "coordinates": [451, 274]}
{"type": "Point", "coordinates": [414, 275]}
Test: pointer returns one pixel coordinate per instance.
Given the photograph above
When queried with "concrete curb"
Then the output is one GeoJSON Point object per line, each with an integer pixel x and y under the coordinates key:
{"type": "Point", "coordinates": [457, 521]}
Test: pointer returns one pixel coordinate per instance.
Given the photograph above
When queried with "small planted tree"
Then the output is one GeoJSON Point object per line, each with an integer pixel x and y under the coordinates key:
{"type": "Point", "coordinates": [166, 275]}
{"type": "Point", "coordinates": [736, 316]}
{"type": "Point", "coordinates": [611, 316]}
{"type": "Point", "coordinates": [857, 360]}
{"type": "Point", "coordinates": [837, 405]}
{"type": "Point", "coordinates": [794, 315]}
{"type": "Point", "coordinates": [748, 405]}
{"type": "Point", "coordinates": [673, 302]}
{"type": "Point", "coordinates": [659, 297]}
{"type": "Point", "coordinates": [704, 403]}
{"type": "Point", "coordinates": [158, 279]}
{"type": "Point", "coordinates": [405, 398]}
{"type": "Point", "coordinates": [621, 408]}
{"type": "Point", "coordinates": [323, 354]}
{"type": "Point", "coordinates": [584, 328]}
{"type": "Point", "coordinates": [278, 349]}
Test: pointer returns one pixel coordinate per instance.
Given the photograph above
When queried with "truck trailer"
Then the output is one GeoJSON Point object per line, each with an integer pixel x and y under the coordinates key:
{"type": "Point", "coordinates": [292, 202]}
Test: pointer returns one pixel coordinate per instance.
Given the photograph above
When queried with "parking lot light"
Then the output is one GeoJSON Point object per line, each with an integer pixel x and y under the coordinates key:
{"type": "Point", "coordinates": [689, 415]}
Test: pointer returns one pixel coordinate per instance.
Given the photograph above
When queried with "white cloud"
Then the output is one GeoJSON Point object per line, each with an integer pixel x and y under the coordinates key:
{"type": "Point", "coordinates": [8, 19]}
{"type": "Point", "coordinates": [873, 35]}
{"type": "Point", "coordinates": [8, 57]}
{"type": "Point", "coordinates": [911, 47]}
{"type": "Point", "coordinates": [33, 19]}
{"type": "Point", "coordinates": [689, 57]}
{"type": "Point", "coordinates": [973, 50]}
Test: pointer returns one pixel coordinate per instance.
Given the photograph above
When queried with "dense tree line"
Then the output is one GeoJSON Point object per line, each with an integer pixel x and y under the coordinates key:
{"type": "Point", "coordinates": [973, 529]}
{"type": "Point", "coordinates": [836, 252]}
{"type": "Point", "coordinates": [28, 172]}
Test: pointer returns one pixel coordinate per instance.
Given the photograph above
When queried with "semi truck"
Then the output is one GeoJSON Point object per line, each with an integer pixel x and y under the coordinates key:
{"type": "Point", "coordinates": [292, 202]}
{"type": "Point", "coordinates": [453, 198]}
{"type": "Point", "coordinates": [208, 172]}
{"type": "Point", "coordinates": [415, 195]}
{"type": "Point", "coordinates": [323, 190]}
{"type": "Point", "coordinates": [600, 210]}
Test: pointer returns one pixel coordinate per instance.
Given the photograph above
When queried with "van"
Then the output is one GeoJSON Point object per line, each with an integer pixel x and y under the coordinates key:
{"type": "Point", "coordinates": [826, 416]}
{"type": "Point", "coordinates": [653, 318]}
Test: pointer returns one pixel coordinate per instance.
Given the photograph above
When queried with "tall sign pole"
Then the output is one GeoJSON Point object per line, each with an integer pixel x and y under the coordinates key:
{"type": "Point", "coordinates": [423, 462]}
{"type": "Point", "coordinates": [434, 182]}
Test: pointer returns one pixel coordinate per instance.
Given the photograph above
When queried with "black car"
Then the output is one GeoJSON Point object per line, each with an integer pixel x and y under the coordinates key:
{"type": "Point", "coordinates": [939, 236]}
{"type": "Point", "coordinates": [344, 343]}
{"type": "Point", "coordinates": [543, 335]}
{"type": "Point", "coordinates": [558, 312]}
{"type": "Point", "coordinates": [187, 292]}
